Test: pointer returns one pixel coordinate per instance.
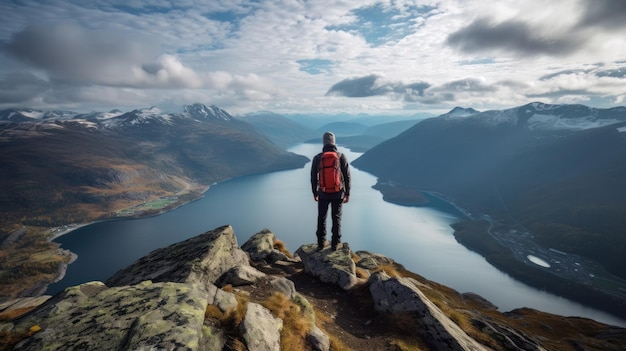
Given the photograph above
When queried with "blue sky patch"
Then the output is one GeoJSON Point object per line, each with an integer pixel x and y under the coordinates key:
{"type": "Point", "coordinates": [315, 66]}
{"type": "Point", "coordinates": [379, 25]}
{"type": "Point", "coordinates": [480, 61]}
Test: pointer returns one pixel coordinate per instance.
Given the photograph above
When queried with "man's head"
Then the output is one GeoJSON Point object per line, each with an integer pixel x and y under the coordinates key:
{"type": "Point", "coordinates": [328, 138]}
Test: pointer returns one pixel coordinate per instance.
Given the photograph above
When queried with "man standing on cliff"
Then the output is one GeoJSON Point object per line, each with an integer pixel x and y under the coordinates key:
{"type": "Point", "coordinates": [330, 182]}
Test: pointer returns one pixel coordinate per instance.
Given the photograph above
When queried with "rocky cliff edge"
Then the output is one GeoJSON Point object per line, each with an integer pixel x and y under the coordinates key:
{"type": "Point", "coordinates": [207, 293]}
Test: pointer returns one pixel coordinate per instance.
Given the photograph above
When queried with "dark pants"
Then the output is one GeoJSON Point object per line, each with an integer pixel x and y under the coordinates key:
{"type": "Point", "coordinates": [322, 212]}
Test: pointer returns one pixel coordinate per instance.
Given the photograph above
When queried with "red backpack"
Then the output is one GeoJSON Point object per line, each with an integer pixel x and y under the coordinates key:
{"type": "Point", "coordinates": [329, 172]}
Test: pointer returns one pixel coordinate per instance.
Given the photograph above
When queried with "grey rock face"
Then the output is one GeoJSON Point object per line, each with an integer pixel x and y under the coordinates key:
{"type": "Point", "coordinates": [260, 245]}
{"type": "Point", "coordinates": [284, 286]}
{"type": "Point", "coordinates": [319, 341]}
{"type": "Point", "coordinates": [369, 260]}
{"type": "Point", "coordinates": [241, 275]}
{"type": "Point", "coordinates": [396, 295]}
{"type": "Point", "coordinates": [91, 316]}
{"type": "Point", "coordinates": [329, 266]}
{"type": "Point", "coordinates": [135, 313]}
{"type": "Point", "coordinates": [260, 329]}
{"type": "Point", "coordinates": [203, 258]}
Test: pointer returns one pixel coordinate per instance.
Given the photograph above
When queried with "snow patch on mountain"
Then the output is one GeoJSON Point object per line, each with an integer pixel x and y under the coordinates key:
{"type": "Point", "coordinates": [137, 117]}
{"type": "Point", "coordinates": [461, 112]}
{"type": "Point", "coordinates": [538, 116]}
{"type": "Point", "coordinates": [30, 114]}
{"type": "Point", "coordinates": [497, 118]}
{"type": "Point", "coordinates": [552, 122]}
{"type": "Point", "coordinates": [201, 111]}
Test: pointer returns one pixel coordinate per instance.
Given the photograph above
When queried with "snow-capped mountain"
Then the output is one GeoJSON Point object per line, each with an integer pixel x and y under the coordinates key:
{"type": "Point", "coordinates": [119, 119]}
{"type": "Point", "coordinates": [546, 117]}
{"type": "Point", "coordinates": [31, 115]}
{"type": "Point", "coordinates": [103, 161]}
{"type": "Point", "coordinates": [461, 112]}
{"type": "Point", "coordinates": [200, 111]}
{"type": "Point", "coordinates": [150, 115]}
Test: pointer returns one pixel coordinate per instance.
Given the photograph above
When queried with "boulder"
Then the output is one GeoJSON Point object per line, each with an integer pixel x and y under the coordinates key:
{"type": "Point", "coordinates": [318, 339]}
{"type": "Point", "coordinates": [329, 266]}
{"type": "Point", "coordinates": [397, 295]}
{"type": "Point", "coordinates": [225, 301]}
{"type": "Point", "coordinates": [241, 275]}
{"type": "Point", "coordinates": [284, 286]}
{"type": "Point", "coordinates": [260, 245]}
{"type": "Point", "coordinates": [260, 329]}
{"type": "Point", "coordinates": [371, 261]}
{"type": "Point", "coordinates": [91, 316]}
{"type": "Point", "coordinates": [203, 258]}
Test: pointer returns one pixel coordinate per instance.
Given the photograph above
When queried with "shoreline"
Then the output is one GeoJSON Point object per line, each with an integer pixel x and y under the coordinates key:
{"type": "Point", "coordinates": [58, 232]}
{"type": "Point", "coordinates": [520, 271]}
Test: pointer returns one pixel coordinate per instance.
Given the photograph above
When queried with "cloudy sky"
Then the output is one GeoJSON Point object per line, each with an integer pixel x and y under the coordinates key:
{"type": "Point", "coordinates": [296, 56]}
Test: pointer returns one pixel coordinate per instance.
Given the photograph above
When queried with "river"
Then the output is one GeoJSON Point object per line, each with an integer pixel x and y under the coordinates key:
{"type": "Point", "coordinates": [420, 238]}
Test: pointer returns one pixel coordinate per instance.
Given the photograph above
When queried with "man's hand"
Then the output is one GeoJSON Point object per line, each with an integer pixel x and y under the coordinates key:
{"type": "Point", "coordinates": [346, 199]}
{"type": "Point", "coordinates": [315, 197]}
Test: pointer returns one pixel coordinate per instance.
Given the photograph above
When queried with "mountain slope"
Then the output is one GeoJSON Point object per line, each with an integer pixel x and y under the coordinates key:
{"type": "Point", "coordinates": [555, 169]}
{"type": "Point", "coordinates": [66, 170]}
{"type": "Point", "coordinates": [279, 129]}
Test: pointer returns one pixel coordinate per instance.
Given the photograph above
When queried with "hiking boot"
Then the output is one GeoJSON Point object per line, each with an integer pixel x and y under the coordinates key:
{"type": "Point", "coordinates": [321, 246]}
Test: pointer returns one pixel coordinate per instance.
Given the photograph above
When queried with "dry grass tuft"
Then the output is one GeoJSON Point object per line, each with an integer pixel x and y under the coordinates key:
{"type": "Point", "coordinates": [355, 257]}
{"type": "Point", "coordinates": [239, 312]}
{"type": "Point", "coordinates": [295, 328]}
{"type": "Point", "coordinates": [230, 319]}
{"type": "Point", "coordinates": [390, 269]}
{"type": "Point", "coordinates": [235, 345]}
{"type": "Point", "coordinates": [279, 304]}
{"type": "Point", "coordinates": [362, 273]}
{"type": "Point", "coordinates": [213, 312]}
{"type": "Point", "coordinates": [280, 246]}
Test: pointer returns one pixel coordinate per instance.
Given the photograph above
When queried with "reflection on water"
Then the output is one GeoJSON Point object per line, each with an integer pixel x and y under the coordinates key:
{"type": "Point", "coordinates": [420, 238]}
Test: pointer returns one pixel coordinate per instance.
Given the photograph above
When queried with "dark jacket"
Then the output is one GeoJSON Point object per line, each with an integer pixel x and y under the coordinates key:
{"type": "Point", "coordinates": [345, 172]}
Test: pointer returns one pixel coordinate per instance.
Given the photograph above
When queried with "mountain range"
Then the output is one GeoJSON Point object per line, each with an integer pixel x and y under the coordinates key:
{"type": "Point", "coordinates": [62, 167]}
{"type": "Point", "coordinates": [553, 171]}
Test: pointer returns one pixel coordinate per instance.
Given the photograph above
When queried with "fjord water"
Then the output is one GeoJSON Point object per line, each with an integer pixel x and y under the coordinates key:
{"type": "Point", "coordinates": [420, 238]}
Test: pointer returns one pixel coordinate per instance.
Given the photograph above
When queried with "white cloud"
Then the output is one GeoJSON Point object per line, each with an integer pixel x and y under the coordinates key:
{"type": "Point", "coordinates": [243, 55]}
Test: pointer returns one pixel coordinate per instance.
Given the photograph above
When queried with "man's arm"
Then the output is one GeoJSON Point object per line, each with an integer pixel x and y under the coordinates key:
{"type": "Point", "coordinates": [314, 167]}
{"type": "Point", "coordinates": [347, 181]}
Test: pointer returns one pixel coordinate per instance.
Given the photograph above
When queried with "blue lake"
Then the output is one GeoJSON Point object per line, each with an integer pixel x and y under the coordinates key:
{"type": "Point", "coordinates": [420, 238]}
